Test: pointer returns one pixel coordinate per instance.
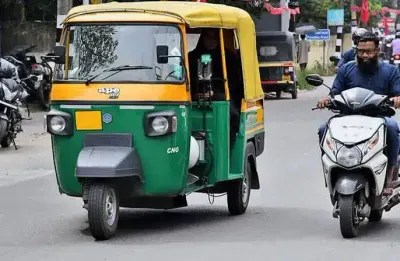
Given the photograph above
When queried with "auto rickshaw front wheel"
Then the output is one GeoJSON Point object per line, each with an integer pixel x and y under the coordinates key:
{"type": "Point", "coordinates": [239, 190]}
{"type": "Point", "coordinates": [103, 210]}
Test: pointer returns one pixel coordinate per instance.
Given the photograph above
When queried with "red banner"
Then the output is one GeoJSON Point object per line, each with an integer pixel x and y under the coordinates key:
{"type": "Point", "coordinates": [280, 10]}
{"type": "Point", "coordinates": [382, 11]}
{"type": "Point", "coordinates": [364, 12]}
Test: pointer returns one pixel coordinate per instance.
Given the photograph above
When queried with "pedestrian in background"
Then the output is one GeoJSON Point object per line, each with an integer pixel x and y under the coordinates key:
{"type": "Point", "coordinates": [302, 52]}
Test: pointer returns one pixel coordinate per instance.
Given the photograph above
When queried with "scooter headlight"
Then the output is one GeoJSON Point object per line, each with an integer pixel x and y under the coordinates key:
{"type": "Point", "coordinates": [349, 157]}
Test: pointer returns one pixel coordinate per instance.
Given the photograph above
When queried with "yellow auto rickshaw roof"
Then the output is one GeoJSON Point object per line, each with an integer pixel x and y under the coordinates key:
{"type": "Point", "coordinates": [193, 14]}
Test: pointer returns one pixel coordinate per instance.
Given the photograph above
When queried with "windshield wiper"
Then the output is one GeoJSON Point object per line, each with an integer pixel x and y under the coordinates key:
{"type": "Point", "coordinates": [118, 69]}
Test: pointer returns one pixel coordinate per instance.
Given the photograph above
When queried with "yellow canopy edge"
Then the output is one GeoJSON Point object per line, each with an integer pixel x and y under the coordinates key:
{"type": "Point", "coordinates": [194, 14]}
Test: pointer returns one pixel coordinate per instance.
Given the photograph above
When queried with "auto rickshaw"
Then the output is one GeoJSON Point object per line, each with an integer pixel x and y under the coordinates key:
{"type": "Point", "coordinates": [277, 57]}
{"type": "Point", "coordinates": [129, 128]}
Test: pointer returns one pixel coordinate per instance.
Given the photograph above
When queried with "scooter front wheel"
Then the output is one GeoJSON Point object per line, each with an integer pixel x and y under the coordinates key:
{"type": "Point", "coordinates": [348, 216]}
{"type": "Point", "coordinates": [103, 211]}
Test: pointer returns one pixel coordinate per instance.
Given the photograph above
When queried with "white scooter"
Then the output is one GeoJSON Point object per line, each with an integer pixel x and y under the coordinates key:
{"type": "Point", "coordinates": [354, 157]}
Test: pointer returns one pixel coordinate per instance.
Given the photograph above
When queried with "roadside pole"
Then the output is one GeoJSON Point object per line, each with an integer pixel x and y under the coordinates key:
{"type": "Point", "coordinates": [63, 7]}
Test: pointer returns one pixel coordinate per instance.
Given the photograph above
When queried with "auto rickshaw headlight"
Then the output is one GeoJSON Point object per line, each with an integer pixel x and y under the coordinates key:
{"type": "Point", "coordinates": [57, 124]}
{"type": "Point", "coordinates": [160, 123]}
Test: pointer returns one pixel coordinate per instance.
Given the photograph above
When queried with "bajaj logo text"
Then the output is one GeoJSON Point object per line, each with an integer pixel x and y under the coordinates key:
{"type": "Point", "coordinates": [112, 92]}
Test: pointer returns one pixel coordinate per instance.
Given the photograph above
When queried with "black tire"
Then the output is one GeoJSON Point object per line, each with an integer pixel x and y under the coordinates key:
{"type": "Point", "coordinates": [237, 205]}
{"type": "Point", "coordinates": [348, 227]}
{"type": "Point", "coordinates": [294, 92]}
{"type": "Point", "coordinates": [6, 141]}
{"type": "Point", "coordinates": [375, 215]}
{"type": "Point", "coordinates": [278, 94]}
{"type": "Point", "coordinates": [43, 95]}
{"type": "Point", "coordinates": [100, 228]}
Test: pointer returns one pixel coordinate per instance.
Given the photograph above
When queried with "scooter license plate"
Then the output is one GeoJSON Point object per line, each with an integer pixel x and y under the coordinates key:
{"type": "Point", "coordinates": [396, 61]}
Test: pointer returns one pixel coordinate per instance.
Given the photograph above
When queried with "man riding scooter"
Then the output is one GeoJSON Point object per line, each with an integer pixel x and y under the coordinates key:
{"type": "Point", "coordinates": [382, 78]}
{"type": "Point", "coordinates": [350, 55]}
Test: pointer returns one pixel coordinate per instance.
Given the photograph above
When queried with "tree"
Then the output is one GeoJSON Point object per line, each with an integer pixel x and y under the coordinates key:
{"type": "Point", "coordinates": [315, 11]}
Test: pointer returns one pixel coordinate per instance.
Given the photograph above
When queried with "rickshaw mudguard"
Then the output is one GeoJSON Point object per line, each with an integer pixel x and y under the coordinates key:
{"type": "Point", "coordinates": [108, 162]}
{"type": "Point", "coordinates": [108, 156]}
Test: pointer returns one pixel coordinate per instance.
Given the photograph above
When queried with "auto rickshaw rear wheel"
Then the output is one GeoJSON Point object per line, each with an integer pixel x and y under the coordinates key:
{"type": "Point", "coordinates": [103, 210]}
{"type": "Point", "coordinates": [294, 92]}
{"type": "Point", "coordinates": [239, 190]}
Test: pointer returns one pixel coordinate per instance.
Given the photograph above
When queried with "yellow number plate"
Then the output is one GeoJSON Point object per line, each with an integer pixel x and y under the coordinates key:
{"type": "Point", "coordinates": [286, 78]}
{"type": "Point", "coordinates": [88, 120]}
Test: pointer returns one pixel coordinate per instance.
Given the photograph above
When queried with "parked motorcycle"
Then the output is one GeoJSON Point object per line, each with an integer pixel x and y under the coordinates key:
{"type": "Point", "coordinates": [27, 65]}
{"type": "Point", "coordinates": [12, 98]}
{"type": "Point", "coordinates": [44, 74]}
{"type": "Point", "coordinates": [354, 157]}
{"type": "Point", "coordinates": [24, 63]}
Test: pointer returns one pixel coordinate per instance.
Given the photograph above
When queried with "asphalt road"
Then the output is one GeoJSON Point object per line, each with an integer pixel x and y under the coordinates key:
{"type": "Point", "coordinates": [288, 219]}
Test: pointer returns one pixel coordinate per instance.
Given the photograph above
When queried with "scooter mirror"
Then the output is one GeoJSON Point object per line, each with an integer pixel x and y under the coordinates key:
{"type": "Point", "coordinates": [314, 80]}
{"type": "Point", "coordinates": [333, 58]}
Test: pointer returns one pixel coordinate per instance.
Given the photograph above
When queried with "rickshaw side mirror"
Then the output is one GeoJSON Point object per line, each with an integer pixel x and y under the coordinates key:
{"type": "Point", "coordinates": [314, 80]}
{"type": "Point", "coordinates": [59, 53]}
{"type": "Point", "coordinates": [162, 54]}
{"type": "Point", "coordinates": [204, 67]}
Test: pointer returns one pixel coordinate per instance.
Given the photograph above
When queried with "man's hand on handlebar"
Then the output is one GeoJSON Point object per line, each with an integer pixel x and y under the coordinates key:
{"type": "Point", "coordinates": [323, 102]}
{"type": "Point", "coordinates": [396, 101]}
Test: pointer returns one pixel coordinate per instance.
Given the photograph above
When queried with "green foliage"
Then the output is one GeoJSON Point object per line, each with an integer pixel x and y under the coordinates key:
{"type": "Point", "coordinates": [253, 7]}
{"type": "Point", "coordinates": [318, 69]}
{"type": "Point", "coordinates": [315, 11]}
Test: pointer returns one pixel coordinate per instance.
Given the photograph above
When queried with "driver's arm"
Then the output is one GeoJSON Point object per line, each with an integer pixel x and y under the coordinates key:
{"type": "Point", "coordinates": [395, 86]}
{"type": "Point", "coordinates": [339, 82]}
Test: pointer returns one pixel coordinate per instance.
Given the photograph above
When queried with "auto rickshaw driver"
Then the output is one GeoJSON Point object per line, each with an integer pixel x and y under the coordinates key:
{"type": "Point", "coordinates": [209, 44]}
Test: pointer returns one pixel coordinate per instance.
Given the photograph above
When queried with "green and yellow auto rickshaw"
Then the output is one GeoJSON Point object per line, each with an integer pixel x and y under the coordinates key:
{"type": "Point", "coordinates": [134, 117]}
{"type": "Point", "coordinates": [277, 57]}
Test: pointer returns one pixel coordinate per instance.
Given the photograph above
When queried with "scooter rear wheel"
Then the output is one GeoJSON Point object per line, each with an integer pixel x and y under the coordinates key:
{"type": "Point", "coordinates": [349, 223]}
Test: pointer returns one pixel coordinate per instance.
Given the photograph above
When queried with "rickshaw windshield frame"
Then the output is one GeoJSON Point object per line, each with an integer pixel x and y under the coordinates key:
{"type": "Point", "coordinates": [285, 45]}
{"type": "Point", "coordinates": [66, 42]}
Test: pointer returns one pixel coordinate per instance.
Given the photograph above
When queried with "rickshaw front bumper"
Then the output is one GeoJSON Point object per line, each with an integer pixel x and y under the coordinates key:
{"type": "Point", "coordinates": [113, 160]}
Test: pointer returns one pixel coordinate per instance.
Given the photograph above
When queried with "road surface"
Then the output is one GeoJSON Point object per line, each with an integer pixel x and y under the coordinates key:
{"type": "Point", "coordinates": [288, 219]}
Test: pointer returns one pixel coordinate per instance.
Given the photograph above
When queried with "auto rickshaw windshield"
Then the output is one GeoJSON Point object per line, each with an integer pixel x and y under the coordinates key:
{"type": "Point", "coordinates": [94, 48]}
{"type": "Point", "coordinates": [274, 51]}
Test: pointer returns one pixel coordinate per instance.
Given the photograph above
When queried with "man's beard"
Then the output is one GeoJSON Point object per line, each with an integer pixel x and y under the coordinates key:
{"type": "Point", "coordinates": [369, 66]}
